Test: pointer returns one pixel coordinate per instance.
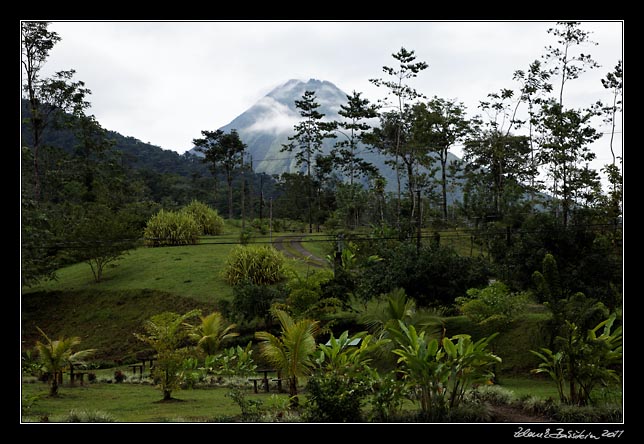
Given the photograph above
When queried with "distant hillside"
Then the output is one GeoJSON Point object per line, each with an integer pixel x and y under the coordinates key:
{"type": "Point", "coordinates": [135, 153]}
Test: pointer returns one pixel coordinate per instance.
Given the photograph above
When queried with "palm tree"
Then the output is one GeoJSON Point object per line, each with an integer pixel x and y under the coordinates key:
{"type": "Point", "coordinates": [383, 313]}
{"type": "Point", "coordinates": [291, 352]}
{"type": "Point", "coordinates": [212, 332]}
{"type": "Point", "coordinates": [166, 333]}
{"type": "Point", "coordinates": [57, 355]}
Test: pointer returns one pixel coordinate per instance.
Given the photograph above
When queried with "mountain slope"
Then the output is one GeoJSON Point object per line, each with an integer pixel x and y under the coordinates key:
{"type": "Point", "coordinates": [266, 126]}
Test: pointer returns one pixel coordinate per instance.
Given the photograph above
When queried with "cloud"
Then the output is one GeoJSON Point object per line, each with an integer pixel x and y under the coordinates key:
{"type": "Point", "coordinates": [271, 115]}
{"type": "Point", "coordinates": [164, 82]}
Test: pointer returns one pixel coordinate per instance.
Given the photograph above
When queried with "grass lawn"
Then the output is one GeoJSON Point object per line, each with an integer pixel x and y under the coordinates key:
{"type": "Point", "coordinates": [192, 271]}
{"type": "Point", "coordinates": [528, 386]}
{"type": "Point", "coordinates": [140, 402]}
{"type": "Point", "coordinates": [136, 402]}
{"type": "Point", "coordinates": [318, 244]}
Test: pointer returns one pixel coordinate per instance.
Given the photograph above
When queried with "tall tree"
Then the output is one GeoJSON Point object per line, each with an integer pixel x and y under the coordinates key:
{"type": "Point", "coordinates": [613, 82]}
{"type": "Point", "coordinates": [225, 151]}
{"type": "Point", "coordinates": [308, 139]}
{"type": "Point", "coordinates": [534, 85]}
{"type": "Point", "coordinates": [498, 160]}
{"type": "Point", "coordinates": [567, 65]}
{"type": "Point", "coordinates": [48, 98]}
{"type": "Point", "coordinates": [403, 96]}
{"type": "Point", "coordinates": [208, 145]}
{"type": "Point", "coordinates": [346, 157]}
{"type": "Point", "coordinates": [439, 124]}
{"type": "Point", "coordinates": [323, 175]}
{"type": "Point", "coordinates": [567, 133]}
{"type": "Point", "coordinates": [499, 163]}
{"type": "Point", "coordinates": [37, 42]}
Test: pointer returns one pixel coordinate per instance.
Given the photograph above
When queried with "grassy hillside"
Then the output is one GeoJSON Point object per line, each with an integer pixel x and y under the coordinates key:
{"type": "Point", "coordinates": [148, 281]}
{"type": "Point", "coordinates": [103, 319]}
{"type": "Point", "coordinates": [192, 271]}
{"type": "Point", "coordinates": [145, 282]}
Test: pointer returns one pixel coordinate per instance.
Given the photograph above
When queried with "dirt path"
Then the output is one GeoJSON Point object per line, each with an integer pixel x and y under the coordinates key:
{"type": "Point", "coordinates": [291, 246]}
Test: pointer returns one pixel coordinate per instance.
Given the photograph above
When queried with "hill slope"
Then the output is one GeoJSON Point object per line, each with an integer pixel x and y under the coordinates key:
{"type": "Point", "coordinates": [135, 153]}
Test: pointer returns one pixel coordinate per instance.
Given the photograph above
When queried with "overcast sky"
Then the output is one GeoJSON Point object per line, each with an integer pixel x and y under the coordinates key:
{"type": "Point", "coordinates": [164, 82]}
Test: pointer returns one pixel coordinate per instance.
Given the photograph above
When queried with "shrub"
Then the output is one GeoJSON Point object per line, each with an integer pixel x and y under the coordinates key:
{"type": "Point", "coordinates": [432, 276]}
{"type": "Point", "coordinates": [251, 409]}
{"type": "Point", "coordinates": [493, 305]}
{"type": "Point", "coordinates": [209, 221]}
{"type": "Point", "coordinates": [306, 291]}
{"type": "Point", "coordinates": [232, 361]}
{"type": "Point", "coordinates": [119, 376]}
{"type": "Point", "coordinates": [493, 394]}
{"type": "Point", "coordinates": [583, 360]}
{"type": "Point", "coordinates": [168, 228]}
{"type": "Point", "coordinates": [252, 301]}
{"type": "Point", "coordinates": [335, 397]}
{"type": "Point", "coordinates": [260, 225]}
{"type": "Point", "coordinates": [258, 265]}
{"type": "Point", "coordinates": [588, 414]}
{"type": "Point", "coordinates": [387, 397]}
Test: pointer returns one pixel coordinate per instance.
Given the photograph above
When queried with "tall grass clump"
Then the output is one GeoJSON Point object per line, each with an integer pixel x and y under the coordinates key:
{"type": "Point", "coordinates": [169, 228]}
{"type": "Point", "coordinates": [255, 264]}
{"type": "Point", "coordinates": [209, 221]}
{"type": "Point", "coordinates": [87, 416]}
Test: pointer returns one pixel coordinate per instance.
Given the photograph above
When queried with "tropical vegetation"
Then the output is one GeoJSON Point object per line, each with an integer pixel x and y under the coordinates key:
{"type": "Point", "coordinates": [423, 306]}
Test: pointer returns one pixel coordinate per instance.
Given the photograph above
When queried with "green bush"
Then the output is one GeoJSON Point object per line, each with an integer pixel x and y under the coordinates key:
{"type": "Point", "coordinates": [253, 302]}
{"type": "Point", "coordinates": [260, 225]}
{"type": "Point", "coordinates": [333, 397]}
{"type": "Point", "coordinates": [493, 305]}
{"type": "Point", "coordinates": [255, 264]}
{"type": "Point", "coordinates": [169, 228]}
{"type": "Point", "coordinates": [306, 291]}
{"type": "Point", "coordinates": [209, 221]}
{"type": "Point", "coordinates": [432, 276]}
{"type": "Point", "coordinates": [588, 414]}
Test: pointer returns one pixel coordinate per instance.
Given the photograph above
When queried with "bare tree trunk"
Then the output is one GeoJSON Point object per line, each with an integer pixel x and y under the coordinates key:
{"type": "Point", "coordinates": [230, 196]}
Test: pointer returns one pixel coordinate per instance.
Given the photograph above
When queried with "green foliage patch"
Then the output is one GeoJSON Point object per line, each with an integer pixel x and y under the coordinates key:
{"type": "Point", "coordinates": [209, 221]}
{"type": "Point", "coordinates": [168, 228]}
{"type": "Point", "coordinates": [256, 264]}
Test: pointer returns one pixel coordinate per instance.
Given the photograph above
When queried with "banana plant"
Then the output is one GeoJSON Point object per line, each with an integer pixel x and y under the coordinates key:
{"type": "Point", "coordinates": [582, 361]}
{"type": "Point", "coordinates": [421, 366]}
{"type": "Point", "coordinates": [469, 363]}
{"type": "Point", "coordinates": [441, 372]}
